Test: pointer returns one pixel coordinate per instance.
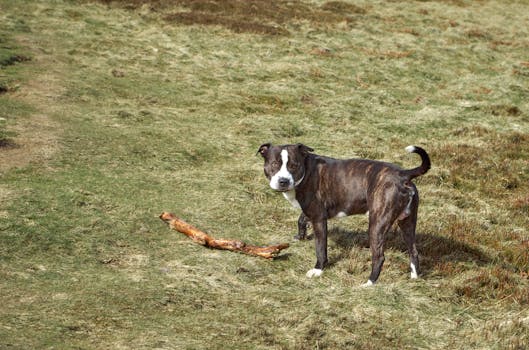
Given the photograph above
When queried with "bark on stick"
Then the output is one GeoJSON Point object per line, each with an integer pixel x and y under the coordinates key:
{"type": "Point", "coordinates": [204, 239]}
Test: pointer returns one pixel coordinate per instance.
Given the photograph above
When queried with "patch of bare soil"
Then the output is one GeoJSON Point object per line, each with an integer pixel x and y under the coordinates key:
{"type": "Point", "coordinates": [36, 141]}
{"type": "Point", "coordinates": [247, 16]}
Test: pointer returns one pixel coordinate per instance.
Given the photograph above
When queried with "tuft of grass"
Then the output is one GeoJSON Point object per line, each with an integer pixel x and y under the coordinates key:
{"type": "Point", "coordinates": [496, 284]}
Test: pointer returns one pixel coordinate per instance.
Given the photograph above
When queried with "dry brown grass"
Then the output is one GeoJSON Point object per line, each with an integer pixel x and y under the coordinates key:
{"type": "Point", "coordinates": [252, 16]}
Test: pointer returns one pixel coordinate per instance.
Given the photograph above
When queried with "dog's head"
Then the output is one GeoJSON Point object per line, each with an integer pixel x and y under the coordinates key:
{"type": "Point", "coordinates": [284, 165]}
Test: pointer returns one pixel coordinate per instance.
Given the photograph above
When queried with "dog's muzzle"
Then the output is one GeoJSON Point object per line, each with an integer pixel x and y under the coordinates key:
{"type": "Point", "coordinates": [284, 183]}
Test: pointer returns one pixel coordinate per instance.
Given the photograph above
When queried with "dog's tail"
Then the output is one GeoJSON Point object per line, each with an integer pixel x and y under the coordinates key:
{"type": "Point", "coordinates": [421, 169]}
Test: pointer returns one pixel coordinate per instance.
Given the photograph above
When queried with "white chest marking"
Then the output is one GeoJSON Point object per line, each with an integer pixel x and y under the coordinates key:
{"type": "Point", "coordinates": [291, 197]}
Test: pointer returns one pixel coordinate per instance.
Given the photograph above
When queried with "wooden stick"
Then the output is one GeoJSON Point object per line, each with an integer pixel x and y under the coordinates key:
{"type": "Point", "coordinates": [204, 239]}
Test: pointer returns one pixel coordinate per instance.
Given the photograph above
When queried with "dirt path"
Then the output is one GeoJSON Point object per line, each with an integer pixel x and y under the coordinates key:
{"type": "Point", "coordinates": [36, 139]}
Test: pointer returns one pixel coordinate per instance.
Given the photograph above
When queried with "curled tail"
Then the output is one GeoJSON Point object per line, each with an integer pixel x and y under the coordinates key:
{"type": "Point", "coordinates": [421, 169]}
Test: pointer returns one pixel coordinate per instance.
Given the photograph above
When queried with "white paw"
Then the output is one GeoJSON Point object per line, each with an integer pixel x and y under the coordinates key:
{"type": "Point", "coordinates": [314, 273]}
{"type": "Point", "coordinates": [367, 284]}
{"type": "Point", "coordinates": [413, 273]}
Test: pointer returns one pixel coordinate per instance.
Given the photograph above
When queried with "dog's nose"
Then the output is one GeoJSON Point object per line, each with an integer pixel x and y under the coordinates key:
{"type": "Point", "coordinates": [283, 182]}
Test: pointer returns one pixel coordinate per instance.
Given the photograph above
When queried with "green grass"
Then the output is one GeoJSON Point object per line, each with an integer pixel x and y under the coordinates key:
{"type": "Point", "coordinates": [125, 109]}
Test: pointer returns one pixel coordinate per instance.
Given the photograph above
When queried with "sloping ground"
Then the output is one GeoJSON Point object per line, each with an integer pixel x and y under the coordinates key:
{"type": "Point", "coordinates": [161, 105]}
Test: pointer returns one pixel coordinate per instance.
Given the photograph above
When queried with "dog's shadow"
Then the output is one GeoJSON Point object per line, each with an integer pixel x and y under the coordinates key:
{"type": "Point", "coordinates": [434, 251]}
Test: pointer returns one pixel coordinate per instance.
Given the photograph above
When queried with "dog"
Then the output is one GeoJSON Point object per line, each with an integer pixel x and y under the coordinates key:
{"type": "Point", "coordinates": [325, 188]}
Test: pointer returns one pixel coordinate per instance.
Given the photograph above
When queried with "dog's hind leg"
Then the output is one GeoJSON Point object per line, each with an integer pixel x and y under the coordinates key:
{"type": "Point", "coordinates": [379, 225]}
{"type": "Point", "coordinates": [408, 225]}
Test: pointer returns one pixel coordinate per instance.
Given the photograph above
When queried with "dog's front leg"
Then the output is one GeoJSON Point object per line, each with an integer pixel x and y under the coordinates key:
{"type": "Point", "coordinates": [302, 227]}
{"type": "Point", "coordinates": [320, 235]}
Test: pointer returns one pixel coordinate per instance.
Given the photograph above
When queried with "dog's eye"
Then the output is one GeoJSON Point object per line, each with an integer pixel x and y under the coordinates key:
{"type": "Point", "coordinates": [293, 165]}
{"type": "Point", "coordinates": [275, 164]}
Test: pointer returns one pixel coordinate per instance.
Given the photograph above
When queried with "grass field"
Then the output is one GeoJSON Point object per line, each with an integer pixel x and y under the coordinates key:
{"type": "Point", "coordinates": [114, 111]}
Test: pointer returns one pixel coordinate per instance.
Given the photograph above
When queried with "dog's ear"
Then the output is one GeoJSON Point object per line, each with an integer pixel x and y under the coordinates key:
{"type": "Point", "coordinates": [263, 150]}
{"type": "Point", "coordinates": [304, 149]}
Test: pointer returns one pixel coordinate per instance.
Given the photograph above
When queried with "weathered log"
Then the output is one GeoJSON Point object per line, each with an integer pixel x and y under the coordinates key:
{"type": "Point", "coordinates": [204, 239]}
